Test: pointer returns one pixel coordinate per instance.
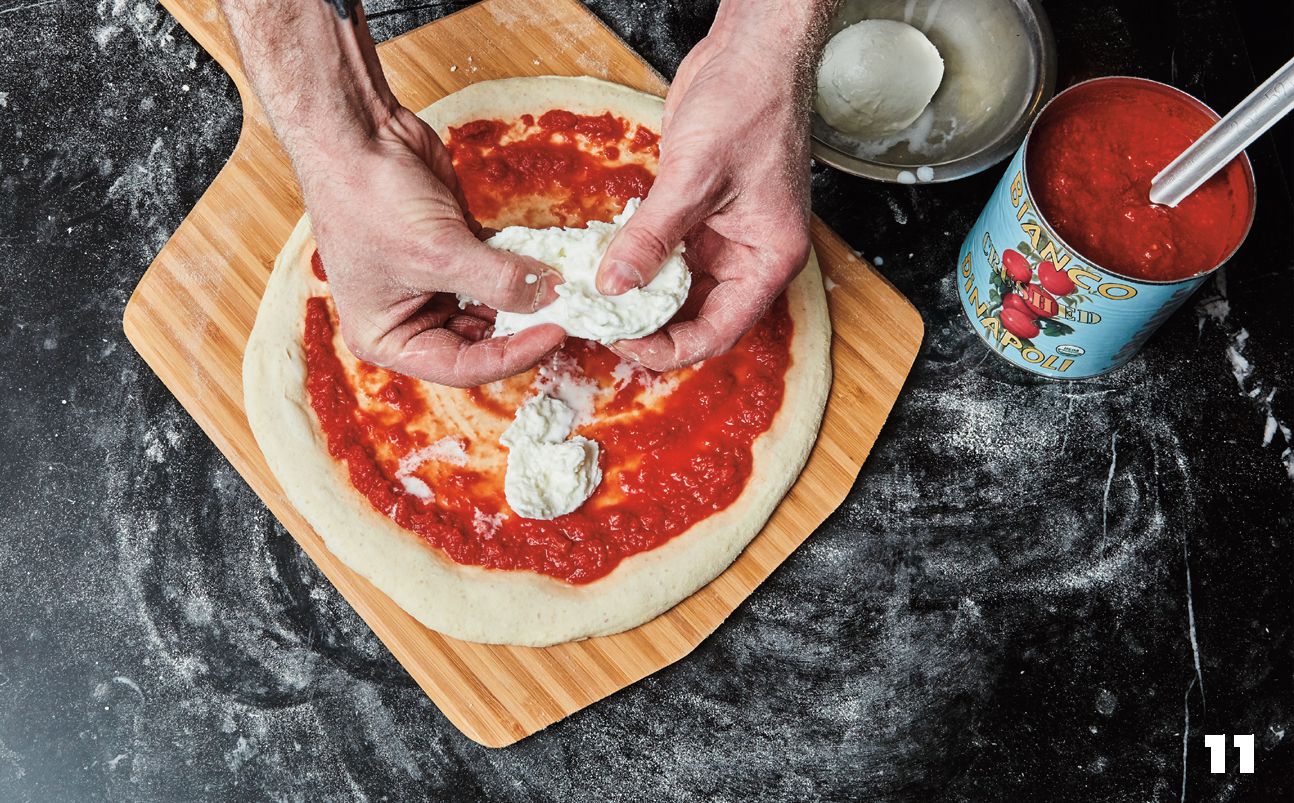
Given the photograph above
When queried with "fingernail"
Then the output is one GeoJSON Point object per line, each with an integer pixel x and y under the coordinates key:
{"type": "Point", "coordinates": [620, 277]}
{"type": "Point", "coordinates": [545, 285]}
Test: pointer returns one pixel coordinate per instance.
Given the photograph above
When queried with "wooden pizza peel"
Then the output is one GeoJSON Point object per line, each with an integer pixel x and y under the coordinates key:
{"type": "Point", "coordinates": [191, 314]}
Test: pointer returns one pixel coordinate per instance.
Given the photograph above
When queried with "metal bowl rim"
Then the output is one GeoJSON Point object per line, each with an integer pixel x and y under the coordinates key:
{"type": "Point", "coordinates": [995, 151]}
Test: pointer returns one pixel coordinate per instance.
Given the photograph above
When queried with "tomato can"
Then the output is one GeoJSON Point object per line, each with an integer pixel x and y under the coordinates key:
{"type": "Point", "coordinates": [1090, 318]}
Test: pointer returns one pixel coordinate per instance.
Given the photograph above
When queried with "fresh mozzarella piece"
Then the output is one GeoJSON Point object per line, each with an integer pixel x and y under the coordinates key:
{"type": "Point", "coordinates": [549, 474]}
{"type": "Point", "coordinates": [580, 309]}
{"type": "Point", "coordinates": [876, 77]}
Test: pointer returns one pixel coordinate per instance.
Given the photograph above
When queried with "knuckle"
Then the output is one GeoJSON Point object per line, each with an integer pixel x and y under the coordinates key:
{"type": "Point", "coordinates": [437, 372]}
{"type": "Point", "coordinates": [509, 285]}
{"type": "Point", "coordinates": [685, 172]}
{"type": "Point", "coordinates": [358, 343]}
{"type": "Point", "coordinates": [462, 374]}
{"type": "Point", "coordinates": [367, 348]}
{"type": "Point", "coordinates": [725, 345]}
{"type": "Point", "coordinates": [791, 254]}
{"type": "Point", "coordinates": [714, 346]}
{"type": "Point", "coordinates": [455, 380]}
{"type": "Point", "coordinates": [660, 362]}
{"type": "Point", "coordinates": [650, 244]}
{"type": "Point", "coordinates": [439, 250]}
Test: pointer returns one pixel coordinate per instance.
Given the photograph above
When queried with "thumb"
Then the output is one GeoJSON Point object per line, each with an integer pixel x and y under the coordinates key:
{"type": "Point", "coordinates": [499, 279]}
{"type": "Point", "coordinates": [646, 241]}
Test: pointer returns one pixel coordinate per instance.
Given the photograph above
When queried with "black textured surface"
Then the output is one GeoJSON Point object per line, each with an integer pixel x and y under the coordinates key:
{"type": "Point", "coordinates": [1032, 592]}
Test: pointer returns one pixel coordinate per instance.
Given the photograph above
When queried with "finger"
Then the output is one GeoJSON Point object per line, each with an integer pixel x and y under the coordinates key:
{"type": "Point", "coordinates": [469, 327]}
{"type": "Point", "coordinates": [646, 241]}
{"type": "Point", "coordinates": [498, 279]}
{"type": "Point", "coordinates": [730, 310]}
{"type": "Point", "coordinates": [447, 358]}
{"type": "Point", "coordinates": [481, 311]}
{"type": "Point", "coordinates": [442, 167]}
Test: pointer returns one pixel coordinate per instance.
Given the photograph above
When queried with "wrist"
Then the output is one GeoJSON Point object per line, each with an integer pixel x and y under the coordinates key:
{"type": "Point", "coordinates": [788, 28]}
{"type": "Point", "coordinates": [339, 116]}
{"type": "Point", "coordinates": [780, 39]}
{"type": "Point", "coordinates": [336, 132]}
{"type": "Point", "coordinates": [316, 74]}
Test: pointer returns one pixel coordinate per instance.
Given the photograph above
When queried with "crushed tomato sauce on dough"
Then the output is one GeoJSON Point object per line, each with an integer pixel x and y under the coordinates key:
{"type": "Point", "coordinates": [575, 167]}
{"type": "Point", "coordinates": [668, 461]}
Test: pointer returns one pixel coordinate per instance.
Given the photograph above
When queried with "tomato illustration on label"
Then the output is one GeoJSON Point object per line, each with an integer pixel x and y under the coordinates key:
{"type": "Point", "coordinates": [1041, 303]}
{"type": "Point", "coordinates": [1016, 266]}
{"type": "Point", "coordinates": [1019, 323]}
{"type": "Point", "coordinates": [1016, 302]}
{"type": "Point", "coordinates": [1026, 307]}
{"type": "Point", "coordinates": [1055, 280]}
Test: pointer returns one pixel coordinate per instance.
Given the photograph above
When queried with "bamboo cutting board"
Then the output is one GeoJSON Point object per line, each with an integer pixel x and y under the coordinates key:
{"type": "Point", "coordinates": [192, 312]}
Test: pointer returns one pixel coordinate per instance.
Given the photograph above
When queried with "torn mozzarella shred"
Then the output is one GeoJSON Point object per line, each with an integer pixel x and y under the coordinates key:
{"type": "Point", "coordinates": [446, 450]}
{"type": "Point", "coordinates": [549, 473]}
{"type": "Point", "coordinates": [417, 487]}
{"type": "Point", "coordinates": [485, 524]}
{"type": "Point", "coordinates": [654, 386]}
{"type": "Point", "coordinates": [561, 377]}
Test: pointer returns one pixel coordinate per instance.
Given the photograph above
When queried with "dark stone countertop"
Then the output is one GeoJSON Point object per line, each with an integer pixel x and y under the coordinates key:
{"type": "Point", "coordinates": [1036, 591]}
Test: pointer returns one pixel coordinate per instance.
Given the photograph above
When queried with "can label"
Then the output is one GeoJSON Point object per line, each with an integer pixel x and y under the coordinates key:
{"type": "Point", "coordinates": [1042, 306]}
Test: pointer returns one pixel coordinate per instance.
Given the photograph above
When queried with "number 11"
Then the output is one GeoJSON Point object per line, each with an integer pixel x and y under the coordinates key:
{"type": "Point", "coordinates": [1217, 744]}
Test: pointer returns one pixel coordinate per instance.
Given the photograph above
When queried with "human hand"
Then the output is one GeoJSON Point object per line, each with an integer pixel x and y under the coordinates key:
{"type": "Point", "coordinates": [388, 218]}
{"type": "Point", "coordinates": [387, 212]}
{"type": "Point", "coordinates": [732, 183]}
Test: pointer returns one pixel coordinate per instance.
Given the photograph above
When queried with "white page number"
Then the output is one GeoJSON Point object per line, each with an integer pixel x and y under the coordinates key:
{"type": "Point", "coordinates": [1217, 744]}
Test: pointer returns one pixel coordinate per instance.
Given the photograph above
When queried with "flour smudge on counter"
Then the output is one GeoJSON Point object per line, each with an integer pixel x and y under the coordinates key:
{"type": "Point", "coordinates": [1214, 307]}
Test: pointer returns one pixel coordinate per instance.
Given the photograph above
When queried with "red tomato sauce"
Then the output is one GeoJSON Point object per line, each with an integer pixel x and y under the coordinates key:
{"type": "Point", "coordinates": [546, 161]}
{"type": "Point", "coordinates": [1090, 166]}
{"type": "Point", "coordinates": [317, 268]}
{"type": "Point", "coordinates": [665, 468]}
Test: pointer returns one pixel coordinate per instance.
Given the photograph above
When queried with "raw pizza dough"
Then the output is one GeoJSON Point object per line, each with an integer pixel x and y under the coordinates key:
{"type": "Point", "coordinates": [515, 607]}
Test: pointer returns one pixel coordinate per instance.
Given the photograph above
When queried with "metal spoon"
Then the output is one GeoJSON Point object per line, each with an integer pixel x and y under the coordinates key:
{"type": "Point", "coordinates": [1227, 138]}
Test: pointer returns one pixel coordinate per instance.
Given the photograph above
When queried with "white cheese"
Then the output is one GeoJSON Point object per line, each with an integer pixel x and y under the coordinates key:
{"type": "Point", "coordinates": [561, 377]}
{"type": "Point", "coordinates": [876, 78]}
{"type": "Point", "coordinates": [446, 450]}
{"type": "Point", "coordinates": [580, 309]}
{"type": "Point", "coordinates": [654, 386]}
{"type": "Point", "coordinates": [549, 474]}
{"type": "Point", "coordinates": [486, 524]}
{"type": "Point", "coordinates": [417, 487]}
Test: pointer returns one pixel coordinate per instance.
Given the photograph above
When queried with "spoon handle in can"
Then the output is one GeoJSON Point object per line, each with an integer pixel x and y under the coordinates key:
{"type": "Point", "coordinates": [1226, 139]}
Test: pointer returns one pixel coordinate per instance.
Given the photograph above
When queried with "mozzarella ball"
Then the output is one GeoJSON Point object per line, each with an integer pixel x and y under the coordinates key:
{"type": "Point", "coordinates": [876, 77]}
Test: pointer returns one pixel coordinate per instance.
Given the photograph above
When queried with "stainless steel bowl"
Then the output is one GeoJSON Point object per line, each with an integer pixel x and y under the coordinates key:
{"type": "Point", "coordinates": [999, 70]}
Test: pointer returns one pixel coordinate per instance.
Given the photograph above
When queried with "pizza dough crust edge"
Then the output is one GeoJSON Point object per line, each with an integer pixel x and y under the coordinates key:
{"type": "Point", "coordinates": [516, 607]}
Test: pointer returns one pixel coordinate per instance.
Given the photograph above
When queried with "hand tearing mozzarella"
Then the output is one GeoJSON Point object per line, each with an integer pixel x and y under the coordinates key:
{"type": "Point", "coordinates": [580, 309]}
